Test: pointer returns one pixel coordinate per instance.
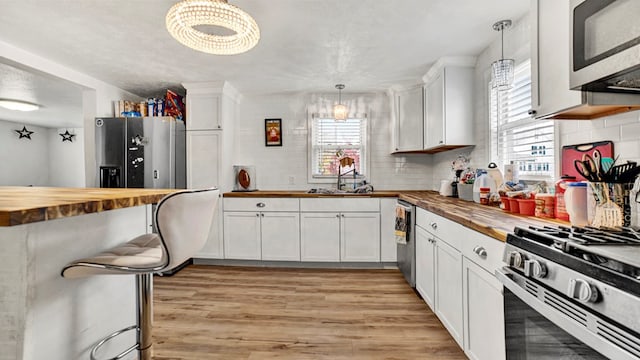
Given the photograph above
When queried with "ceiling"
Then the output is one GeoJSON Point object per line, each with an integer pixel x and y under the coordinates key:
{"type": "Point", "coordinates": [306, 45]}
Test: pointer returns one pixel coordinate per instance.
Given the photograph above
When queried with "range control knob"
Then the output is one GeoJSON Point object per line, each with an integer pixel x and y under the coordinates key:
{"type": "Point", "coordinates": [516, 259]}
{"type": "Point", "coordinates": [582, 291]}
{"type": "Point", "coordinates": [534, 269]}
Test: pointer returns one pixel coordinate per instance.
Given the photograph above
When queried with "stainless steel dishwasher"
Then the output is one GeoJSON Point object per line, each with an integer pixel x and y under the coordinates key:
{"type": "Point", "coordinates": [406, 253]}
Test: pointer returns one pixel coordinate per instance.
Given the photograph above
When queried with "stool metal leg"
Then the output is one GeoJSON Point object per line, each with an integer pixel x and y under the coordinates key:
{"type": "Point", "coordinates": [144, 300]}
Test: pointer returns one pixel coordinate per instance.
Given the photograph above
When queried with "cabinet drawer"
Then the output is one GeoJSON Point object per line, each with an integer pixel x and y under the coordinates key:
{"type": "Point", "coordinates": [260, 204]}
{"type": "Point", "coordinates": [340, 204]}
{"type": "Point", "coordinates": [447, 230]}
{"type": "Point", "coordinates": [473, 246]}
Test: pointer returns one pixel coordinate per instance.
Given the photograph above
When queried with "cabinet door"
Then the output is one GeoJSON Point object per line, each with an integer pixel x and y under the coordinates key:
{"type": "Point", "coordinates": [434, 112]}
{"type": "Point", "coordinates": [242, 235]}
{"type": "Point", "coordinates": [483, 314]}
{"type": "Point", "coordinates": [388, 246]}
{"type": "Point", "coordinates": [280, 235]}
{"type": "Point", "coordinates": [449, 288]}
{"type": "Point", "coordinates": [425, 266]}
{"type": "Point", "coordinates": [203, 158]}
{"type": "Point", "coordinates": [320, 236]}
{"type": "Point", "coordinates": [550, 24]}
{"type": "Point", "coordinates": [410, 120]}
{"type": "Point", "coordinates": [203, 111]}
{"type": "Point", "coordinates": [360, 237]}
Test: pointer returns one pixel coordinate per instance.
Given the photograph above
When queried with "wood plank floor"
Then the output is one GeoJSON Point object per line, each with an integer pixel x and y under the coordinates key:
{"type": "Point", "coordinates": [214, 312]}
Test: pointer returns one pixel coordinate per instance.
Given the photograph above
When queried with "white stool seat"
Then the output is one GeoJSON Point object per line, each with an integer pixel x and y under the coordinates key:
{"type": "Point", "coordinates": [143, 254]}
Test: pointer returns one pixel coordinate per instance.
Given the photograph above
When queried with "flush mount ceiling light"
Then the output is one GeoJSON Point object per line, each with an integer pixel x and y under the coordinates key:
{"type": "Point", "coordinates": [186, 19]}
{"type": "Point", "coordinates": [18, 105]}
{"type": "Point", "coordinates": [339, 110]}
{"type": "Point", "coordinates": [502, 70]}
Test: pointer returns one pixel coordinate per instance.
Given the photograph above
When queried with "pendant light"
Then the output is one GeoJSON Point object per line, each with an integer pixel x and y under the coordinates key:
{"type": "Point", "coordinates": [502, 70]}
{"type": "Point", "coordinates": [339, 110]}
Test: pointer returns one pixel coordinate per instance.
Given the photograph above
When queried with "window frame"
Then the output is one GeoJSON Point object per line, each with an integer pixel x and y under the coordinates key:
{"type": "Point", "coordinates": [366, 152]}
{"type": "Point", "coordinates": [495, 129]}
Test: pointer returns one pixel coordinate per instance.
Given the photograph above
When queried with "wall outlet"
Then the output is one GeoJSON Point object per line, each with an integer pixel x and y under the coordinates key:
{"type": "Point", "coordinates": [292, 180]}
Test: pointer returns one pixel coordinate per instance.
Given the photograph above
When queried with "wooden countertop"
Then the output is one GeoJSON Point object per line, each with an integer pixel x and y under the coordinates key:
{"type": "Point", "coordinates": [488, 220]}
{"type": "Point", "coordinates": [23, 205]}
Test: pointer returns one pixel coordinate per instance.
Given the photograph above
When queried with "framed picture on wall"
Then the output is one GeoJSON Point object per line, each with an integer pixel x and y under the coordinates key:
{"type": "Point", "coordinates": [273, 132]}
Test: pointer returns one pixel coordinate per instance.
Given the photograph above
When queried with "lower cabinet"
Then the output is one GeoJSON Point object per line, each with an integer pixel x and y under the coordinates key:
{"type": "Point", "coordinates": [242, 235]}
{"type": "Point", "coordinates": [340, 236]}
{"type": "Point", "coordinates": [425, 266]}
{"type": "Point", "coordinates": [457, 282]}
{"type": "Point", "coordinates": [483, 313]}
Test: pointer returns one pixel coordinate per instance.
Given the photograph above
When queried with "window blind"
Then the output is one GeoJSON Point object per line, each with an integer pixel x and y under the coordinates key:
{"type": "Point", "coordinates": [332, 140]}
{"type": "Point", "coordinates": [515, 136]}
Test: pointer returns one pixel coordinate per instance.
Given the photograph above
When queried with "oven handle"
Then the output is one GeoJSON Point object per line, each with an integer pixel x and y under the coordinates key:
{"type": "Point", "coordinates": [506, 275]}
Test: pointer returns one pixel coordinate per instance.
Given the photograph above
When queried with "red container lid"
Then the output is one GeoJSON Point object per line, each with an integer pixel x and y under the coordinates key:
{"type": "Point", "coordinates": [485, 189]}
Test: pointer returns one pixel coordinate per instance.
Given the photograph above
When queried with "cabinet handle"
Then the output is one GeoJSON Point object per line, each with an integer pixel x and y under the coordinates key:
{"type": "Point", "coordinates": [342, 215]}
{"type": "Point", "coordinates": [337, 215]}
{"type": "Point", "coordinates": [532, 113]}
{"type": "Point", "coordinates": [480, 251]}
{"type": "Point", "coordinates": [434, 226]}
{"type": "Point", "coordinates": [262, 214]}
{"type": "Point", "coordinates": [258, 214]}
{"type": "Point", "coordinates": [440, 141]}
{"type": "Point", "coordinates": [219, 126]}
{"type": "Point", "coordinates": [260, 205]}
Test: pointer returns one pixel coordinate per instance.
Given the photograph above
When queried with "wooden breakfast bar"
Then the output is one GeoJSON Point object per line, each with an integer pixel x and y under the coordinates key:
{"type": "Point", "coordinates": [42, 315]}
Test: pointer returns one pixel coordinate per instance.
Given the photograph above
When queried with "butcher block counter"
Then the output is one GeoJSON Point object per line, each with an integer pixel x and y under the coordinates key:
{"type": "Point", "coordinates": [23, 205]}
{"type": "Point", "coordinates": [488, 220]}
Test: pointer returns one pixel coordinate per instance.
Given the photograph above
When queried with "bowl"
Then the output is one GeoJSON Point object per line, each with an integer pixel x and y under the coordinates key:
{"type": "Point", "coordinates": [505, 203]}
{"type": "Point", "coordinates": [527, 207]}
{"type": "Point", "coordinates": [513, 206]}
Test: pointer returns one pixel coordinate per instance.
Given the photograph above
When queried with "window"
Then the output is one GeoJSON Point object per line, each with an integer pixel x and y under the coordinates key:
{"type": "Point", "coordinates": [330, 137]}
{"type": "Point", "coordinates": [515, 136]}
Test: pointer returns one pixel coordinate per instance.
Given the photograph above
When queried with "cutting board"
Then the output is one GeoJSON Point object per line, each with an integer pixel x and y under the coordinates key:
{"type": "Point", "coordinates": [570, 153]}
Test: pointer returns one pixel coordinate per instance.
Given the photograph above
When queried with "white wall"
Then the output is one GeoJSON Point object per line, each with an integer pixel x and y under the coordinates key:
{"type": "Point", "coordinates": [275, 165]}
{"type": "Point", "coordinates": [23, 162]}
{"type": "Point", "coordinates": [42, 161]}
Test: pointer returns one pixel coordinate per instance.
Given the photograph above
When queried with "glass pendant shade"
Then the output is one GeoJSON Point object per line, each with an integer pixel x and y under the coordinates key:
{"type": "Point", "coordinates": [502, 74]}
{"type": "Point", "coordinates": [18, 105]}
{"type": "Point", "coordinates": [185, 18]}
{"type": "Point", "coordinates": [340, 111]}
{"type": "Point", "coordinates": [502, 70]}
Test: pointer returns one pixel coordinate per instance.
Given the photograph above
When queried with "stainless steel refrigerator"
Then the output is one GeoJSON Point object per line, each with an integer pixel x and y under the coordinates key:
{"type": "Point", "coordinates": [140, 152]}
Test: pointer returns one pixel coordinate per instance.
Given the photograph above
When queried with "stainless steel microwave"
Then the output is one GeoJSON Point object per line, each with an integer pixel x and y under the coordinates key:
{"type": "Point", "coordinates": [605, 45]}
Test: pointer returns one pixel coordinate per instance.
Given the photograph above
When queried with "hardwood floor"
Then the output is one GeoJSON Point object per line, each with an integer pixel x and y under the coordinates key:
{"type": "Point", "coordinates": [214, 312]}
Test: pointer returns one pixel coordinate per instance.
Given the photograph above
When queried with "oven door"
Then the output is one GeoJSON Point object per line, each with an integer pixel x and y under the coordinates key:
{"type": "Point", "coordinates": [543, 324]}
{"type": "Point", "coordinates": [605, 45]}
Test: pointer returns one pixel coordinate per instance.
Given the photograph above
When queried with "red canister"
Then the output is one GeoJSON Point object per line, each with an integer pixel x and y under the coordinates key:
{"type": "Point", "coordinates": [561, 187]}
{"type": "Point", "coordinates": [545, 206]}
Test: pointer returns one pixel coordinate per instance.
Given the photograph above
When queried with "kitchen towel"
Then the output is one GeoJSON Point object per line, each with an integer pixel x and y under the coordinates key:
{"type": "Point", "coordinates": [401, 224]}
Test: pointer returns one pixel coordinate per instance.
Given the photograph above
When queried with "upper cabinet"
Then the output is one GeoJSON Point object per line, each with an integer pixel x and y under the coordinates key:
{"type": "Point", "coordinates": [448, 105]}
{"type": "Point", "coordinates": [408, 109]}
{"type": "Point", "coordinates": [550, 69]}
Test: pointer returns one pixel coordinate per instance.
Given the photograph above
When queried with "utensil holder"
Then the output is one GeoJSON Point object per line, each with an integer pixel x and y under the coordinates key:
{"type": "Point", "coordinates": [618, 194]}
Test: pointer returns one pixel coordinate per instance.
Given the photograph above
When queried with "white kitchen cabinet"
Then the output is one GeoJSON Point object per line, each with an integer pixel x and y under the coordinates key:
{"type": "Point", "coordinates": [320, 236]}
{"type": "Point", "coordinates": [340, 229]}
{"type": "Point", "coordinates": [448, 106]}
{"type": "Point", "coordinates": [408, 107]}
{"type": "Point", "coordinates": [360, 237]}
{"type": "Point", "coordinates": [484, 337]}
{"type": "Point", "coordinates": [280, 236]}
{"type": "Point", "coordinates": [448, 290]}
{"type": "Point", "coordinates": [388, 246]}
{"type": "Point", "coordinates": [203, 165]}
{"type": "Point", "coordinates": [203, 111]}
{"type": "Point", "coordinates": [262, 229]}
{"type": "Point", "coordinates": [425, 266]}
{"type": "Point", "coordinates": [242, 235]}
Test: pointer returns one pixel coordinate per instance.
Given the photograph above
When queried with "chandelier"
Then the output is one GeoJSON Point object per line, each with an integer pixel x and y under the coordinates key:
{"type": "Point", "coordinates": [339, 110]}
{"type": "Point", "coordinates": [185, 19]}
{"type": "Point", "coordinates": [502, 70]}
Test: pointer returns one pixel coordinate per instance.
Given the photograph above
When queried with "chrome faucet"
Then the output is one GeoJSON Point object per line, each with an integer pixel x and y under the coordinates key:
{"type": "Point", "coordinates": [340, 175]}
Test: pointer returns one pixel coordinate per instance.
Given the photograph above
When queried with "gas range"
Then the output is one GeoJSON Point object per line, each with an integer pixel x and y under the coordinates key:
{"type": "Point", "coordinates": [586, 280]}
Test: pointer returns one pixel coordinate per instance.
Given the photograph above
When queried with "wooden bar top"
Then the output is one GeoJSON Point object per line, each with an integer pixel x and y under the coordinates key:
{"type": "Point", "coordinates": [488, 220]}
{"type": "Point", "coordinates": [23, 205]}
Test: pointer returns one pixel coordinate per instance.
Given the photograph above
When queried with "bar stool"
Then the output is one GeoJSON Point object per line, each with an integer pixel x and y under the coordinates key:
{"type": "Point", "coordinates": [182, 220]}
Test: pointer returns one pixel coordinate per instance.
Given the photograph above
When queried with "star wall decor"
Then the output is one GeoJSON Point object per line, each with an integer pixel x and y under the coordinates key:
{"type": "Point", "coordinates": [67, 136]}
{"type": "Point", "coordinates": [24, 133]}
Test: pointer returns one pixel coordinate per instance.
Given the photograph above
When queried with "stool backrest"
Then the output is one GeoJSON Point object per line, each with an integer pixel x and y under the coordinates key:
{"type": "Point", "coordinates": [183, 220]}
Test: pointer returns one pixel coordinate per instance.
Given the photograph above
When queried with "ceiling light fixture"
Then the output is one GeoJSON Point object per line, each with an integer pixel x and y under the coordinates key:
{"type": "Point", "coordinates": [502, 70]}
{"type": "Point", "coordinates": [339, 110]}
{"type": "Point", "coordinates": [185, 17]}
{"type": "Point", "coordinates": [18, 105]}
